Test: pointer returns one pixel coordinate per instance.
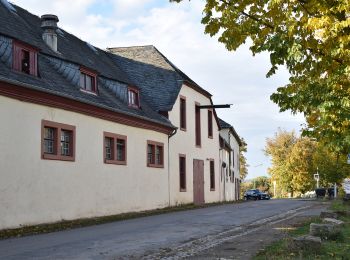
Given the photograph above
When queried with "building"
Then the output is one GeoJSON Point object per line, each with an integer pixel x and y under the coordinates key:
{"type": "Point", "coordinates": [230, 144]}
{"type": "Point", "coordinates": [87, 132]}
{"type": "Point", "coordinates": [194, 147]}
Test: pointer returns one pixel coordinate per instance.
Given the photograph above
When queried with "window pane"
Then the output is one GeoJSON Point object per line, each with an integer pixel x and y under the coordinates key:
{"type": "Point", "coordinates": [133, 98]}
{"type": "Point", "coordinates": [82, 80]}
{"type": "Point", "coordinates": [66, 142]}
{"type": "Point", "coordinates": [210, 123]}
{"type": "Point", "coordinates": [182, 113]}
{"type": "Point", "coordinates": [120, 150]}
{"type": "Point", "coordinates": [25, 62]}
{"type": "Point", "coordinates": [159, 155]}
{"type": "Point", "coordinates": [182, 167]}
{"type": "Point", "coordinates": [212, 175]}
{"type": "Point", "coordinates": [150, 158]}
{"type": "Point", "coordinates": [108, 148]}
{"type": "Point", "coordinates": [88, 83]}
{"type": "Point", "coordinates": [49, 140]}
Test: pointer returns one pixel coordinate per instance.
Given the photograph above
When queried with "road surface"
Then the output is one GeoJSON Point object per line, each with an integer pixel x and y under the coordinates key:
{"type": "Point", "coordinates": [178, 234]}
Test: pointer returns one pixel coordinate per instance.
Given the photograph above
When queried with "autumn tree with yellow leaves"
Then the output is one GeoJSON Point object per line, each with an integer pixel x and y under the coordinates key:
{"type": "Point", "coordinates": [312, 39]}
{"type": "Point", "coordinates": [295, 160]}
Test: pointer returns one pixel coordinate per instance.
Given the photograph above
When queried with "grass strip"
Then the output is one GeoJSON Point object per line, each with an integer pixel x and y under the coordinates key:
{"type": "Point", "coordinates": [338, 248]}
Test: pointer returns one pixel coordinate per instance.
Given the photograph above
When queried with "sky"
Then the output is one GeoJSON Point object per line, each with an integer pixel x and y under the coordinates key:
{"type": "Point", "coordinates": [235, 78]}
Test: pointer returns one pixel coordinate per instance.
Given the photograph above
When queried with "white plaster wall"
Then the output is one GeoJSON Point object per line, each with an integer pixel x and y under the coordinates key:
{"type": "Point", "coordinates": [184, 143]}
{"type": "Point", "coordinates": [230, 188]}
{"type": "Point", "coordinates": [33, 190]}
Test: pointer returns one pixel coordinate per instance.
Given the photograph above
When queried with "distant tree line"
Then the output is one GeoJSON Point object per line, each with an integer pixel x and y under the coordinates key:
{"type": "Point", "coordinates": [295, 159]}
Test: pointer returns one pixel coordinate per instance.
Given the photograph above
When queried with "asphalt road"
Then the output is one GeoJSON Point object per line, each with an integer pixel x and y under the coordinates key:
{"type": "Point", "coordinates": [145, 236]}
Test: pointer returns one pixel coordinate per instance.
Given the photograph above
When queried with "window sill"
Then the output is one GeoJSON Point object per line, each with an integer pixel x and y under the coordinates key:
{"type": "Point", "coordinates": [210, 136]}
{"type": "Point", "coordinates": [183, 190]}
{"type": "Point", "coordinates": [58, 157]}
{"type": "Point", "coordinates": [198, 146]}
{"type": "Point", "coordinates": [183, 129]}
{"type": "Point", "coordinates": [211, 189]}
{"type": "Point", "coordinates": [155, 165]}
{"type": "Point", "coordinates": [25, 74]}
{"type": "Point", "coordinates": [134, 106]}
{"type": "Point", "coordinates": [115, 162]}
{"type": "Point", "coordinates": [88, 92]}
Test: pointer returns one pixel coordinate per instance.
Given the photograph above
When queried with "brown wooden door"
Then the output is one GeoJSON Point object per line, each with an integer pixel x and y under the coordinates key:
{"type": "Point", "coordinates": [198, 182]}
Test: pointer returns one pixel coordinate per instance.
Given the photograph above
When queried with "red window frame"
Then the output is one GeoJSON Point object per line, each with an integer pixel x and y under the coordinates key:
{"type": "Point", "coordinates": [198, 138]}
{"type": "Point", "coordinates": [84, 72]}
{"type": "Point", "coordinates": [212, 174]}
{"type": "Point", "coordinates": [153, 146]}
{"type": "Point", "coordinates": [114, 150]}
{"type": "Point", "coordinates": [59, 128]}
{"type": "Point", "coordinates": [133, 97]}
{"type": "Point", "coordinates": [183, 113]}
{"type": "Point", "coordinates": [18, 50]}
{"type": "Point", "coordinates": [182, 172]}
{"type": "Point", "coordinates": [210, 124]}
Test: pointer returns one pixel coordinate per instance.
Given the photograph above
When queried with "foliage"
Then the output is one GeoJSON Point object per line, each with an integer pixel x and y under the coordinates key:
{"type": "Point", "coordinates": [279, 149]}
{"type": "Point", "coordinates": [243, 165]}
{"type": "Point", "coordinates": [332, 167]}
{"type": "Point", "coordinates": [295, 160]}
{"type": "Point", "coordinates": [300, 164]}
{"type": "Point", "coordinates": [312, 39]}
{"type": "Point", "coordinates": [263, 183]}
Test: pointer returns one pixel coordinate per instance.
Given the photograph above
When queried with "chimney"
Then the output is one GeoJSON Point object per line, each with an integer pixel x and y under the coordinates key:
{"type": "Point", "coordinates": [49, 25]}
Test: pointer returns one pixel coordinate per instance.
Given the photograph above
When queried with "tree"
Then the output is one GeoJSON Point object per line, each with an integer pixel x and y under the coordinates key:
{"type": "Point", "coordinates": [300, 164]}
{"type": "Point", "coordinates": [294, 161]}
{"type": "Point", "coordinates": [279, 149]}
{"type": "Point", "coordinates": [309, 37]}
{"type": "Point", "coordinates": [332, 167]}
{"type": "Point", "coordinates": [263, 183]}
{"type": "Point", "coordinates": [243, 165]}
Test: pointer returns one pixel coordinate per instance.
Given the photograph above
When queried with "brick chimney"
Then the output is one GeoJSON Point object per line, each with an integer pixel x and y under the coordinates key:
{"type": "Point", "coordinates": [49, 25]}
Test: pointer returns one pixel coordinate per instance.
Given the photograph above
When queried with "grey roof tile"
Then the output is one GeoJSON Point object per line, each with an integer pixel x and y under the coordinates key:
{"type": "Point", "coordinates": [159, 79]}
{"type": "Point", "coordinates": [59, 79]}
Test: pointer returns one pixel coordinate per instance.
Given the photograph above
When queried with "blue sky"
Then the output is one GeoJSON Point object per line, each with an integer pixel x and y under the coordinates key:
{"type": "Point", "coordinates": [175, 29]}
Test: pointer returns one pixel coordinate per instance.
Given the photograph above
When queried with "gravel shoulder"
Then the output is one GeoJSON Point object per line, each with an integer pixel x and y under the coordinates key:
{"type": "Point", "coordinates": [247, 245]}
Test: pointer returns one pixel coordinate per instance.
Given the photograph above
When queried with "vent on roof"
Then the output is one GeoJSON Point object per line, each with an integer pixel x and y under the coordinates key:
{"type": "Point", "coordinates": [49, 24]}
{"type": "Point", "coordinates": [8, 6]}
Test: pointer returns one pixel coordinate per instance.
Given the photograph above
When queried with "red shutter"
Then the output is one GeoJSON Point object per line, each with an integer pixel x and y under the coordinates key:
{"type": "Point", "coordinates": [16, 57]}
{"type": "Point", "coordinates": [33, 63]}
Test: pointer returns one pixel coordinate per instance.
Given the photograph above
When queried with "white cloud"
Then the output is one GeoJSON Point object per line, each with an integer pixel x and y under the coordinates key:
{"type": "Point", "coordinates": [175, 29]}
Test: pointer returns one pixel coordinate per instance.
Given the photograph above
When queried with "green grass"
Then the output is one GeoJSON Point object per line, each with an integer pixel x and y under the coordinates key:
{"type": "Point", "coordinates": [339, 248]}
{"type": "Point", "coordinates": [77, 223]}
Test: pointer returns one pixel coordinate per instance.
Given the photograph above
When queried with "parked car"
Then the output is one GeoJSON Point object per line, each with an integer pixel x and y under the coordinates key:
{"type": "Point", "coordinates": [256, 194]}
{"type": "Point", "coordinates": [320, 192]}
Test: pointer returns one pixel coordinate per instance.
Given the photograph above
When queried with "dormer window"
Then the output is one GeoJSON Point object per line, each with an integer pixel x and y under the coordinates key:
{"type": "Point", "coordinates": [88, 81]}
{"type": "Point", "coordinates": [25, 58]}
{"type": "Point", "coordinates": [133, 97]}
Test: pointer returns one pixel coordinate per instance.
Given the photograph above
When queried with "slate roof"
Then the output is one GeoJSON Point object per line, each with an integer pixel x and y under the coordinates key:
{"type": "Point", "coordinates": [159, 79]}
{"type": "Point", "coordinates": [225, 125]}
{"type": "Point", "coordinates": [25, 26]}
{"type": "Point", "coordinates": [21, 25]}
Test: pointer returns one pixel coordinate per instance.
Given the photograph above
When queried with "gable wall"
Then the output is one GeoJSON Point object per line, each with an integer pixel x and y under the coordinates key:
{"type": "Point", "coordinates": [183, 142]}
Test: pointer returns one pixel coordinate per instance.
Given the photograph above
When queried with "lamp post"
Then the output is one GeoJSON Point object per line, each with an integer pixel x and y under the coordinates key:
{"type": "Point", "coordinates": [317, 178]}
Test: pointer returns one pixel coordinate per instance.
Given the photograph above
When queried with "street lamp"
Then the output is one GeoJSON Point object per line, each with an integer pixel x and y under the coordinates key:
{"type": "Point", "coordinates": [317, 178]}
